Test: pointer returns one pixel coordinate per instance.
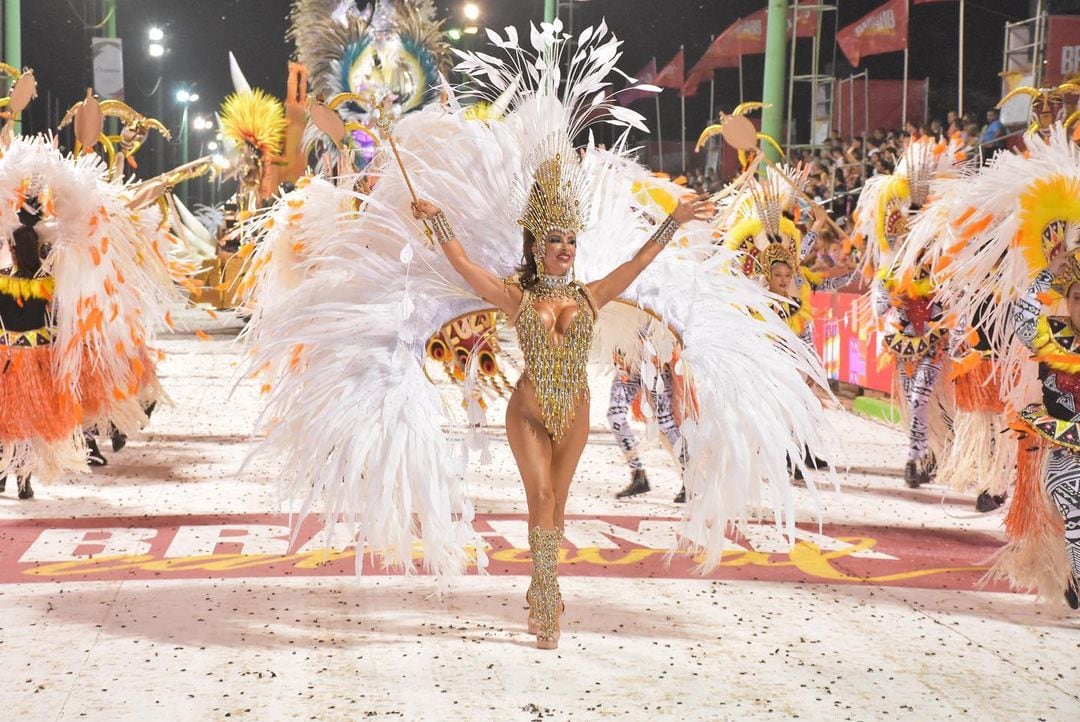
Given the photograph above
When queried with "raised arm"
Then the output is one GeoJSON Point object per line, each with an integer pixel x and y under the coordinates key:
{"type": "Point", "coordinates": [812, 235]}
{"type": "Point", "coordinates": [505, 297]}
{"type": "Point", "coordinates": [612, 285]}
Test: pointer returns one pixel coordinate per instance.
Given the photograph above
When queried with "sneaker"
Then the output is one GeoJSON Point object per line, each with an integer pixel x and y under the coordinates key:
{"type": "Point", "coordinates": [3, 484]}
{"type": "Point", "coordinates": [680, 498]}
{"type": "Point", "coordinates": [1070, 595]}
{"type": "Point", "coordinates": [25, 490]}
{"type": "Point", "coordinates": [639, 484]}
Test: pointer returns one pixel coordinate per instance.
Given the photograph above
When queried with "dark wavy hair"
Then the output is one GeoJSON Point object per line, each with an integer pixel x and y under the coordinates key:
{"type": "Point", "coordinates": [26, 246]}
{"type": "Point", "coordinates": [527, 272]}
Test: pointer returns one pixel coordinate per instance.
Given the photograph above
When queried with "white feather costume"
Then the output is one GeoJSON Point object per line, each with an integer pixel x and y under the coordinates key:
{"type": "Point", "coordinates": [1003, 228]}
{"type": "Point", "coordinates": [361, 430]}
{"type": "Point", "coordinates": [111, 280]}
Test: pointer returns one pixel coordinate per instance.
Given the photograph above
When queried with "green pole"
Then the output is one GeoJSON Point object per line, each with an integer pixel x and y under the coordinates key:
{"type": "Point", "coordinates": [549, 11]}
{"type": "Point", "coordinates": [110, 18]}
{"type": "Point", "coordinates": [772, 117]}
{"type": "Point", "coordinates": [12, 33]}
{"type": "Point", "coordinates": [112, 125]}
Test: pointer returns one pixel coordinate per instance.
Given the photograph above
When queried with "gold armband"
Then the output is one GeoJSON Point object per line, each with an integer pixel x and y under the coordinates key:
{"type": "Point", "coordinates": [665, 232]}
{"type": "Point", "coordinates": [441, 228]}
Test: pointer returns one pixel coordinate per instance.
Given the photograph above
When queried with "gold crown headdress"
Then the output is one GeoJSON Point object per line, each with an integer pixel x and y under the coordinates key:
{"type": "Point", "coordinates": [777, 252]}
{"type": "Point", "coordinates": [555, 195]}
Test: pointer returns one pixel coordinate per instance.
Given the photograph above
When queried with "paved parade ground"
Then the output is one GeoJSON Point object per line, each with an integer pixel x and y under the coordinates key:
{"type": "Point", "coordinates": [164, 587]}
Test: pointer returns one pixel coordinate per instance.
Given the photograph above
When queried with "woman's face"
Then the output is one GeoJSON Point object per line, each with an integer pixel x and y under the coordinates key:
{"type": "Point", "coordinates": [560, 250]}
{"type": "Point", "coordinates": [779, 278]}
{"type": "Point", "coordinates": [1073, 299]}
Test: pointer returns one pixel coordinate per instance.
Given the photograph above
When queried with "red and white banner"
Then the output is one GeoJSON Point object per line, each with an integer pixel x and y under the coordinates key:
{"type": "Point", "coordinates": [884, 30]}
{"type": "Point", "coordinates": [153, 549]}
{"type": "Point", "coordinates": [1062, 49]}
{"type": "Point", "coordinates": [673, 74]}
{"type": "Point", "coordinates": [746, 36]}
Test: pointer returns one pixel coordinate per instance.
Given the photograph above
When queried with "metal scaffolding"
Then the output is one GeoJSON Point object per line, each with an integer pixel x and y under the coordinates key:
{"type": "Point", "coordinates": [822, 86]}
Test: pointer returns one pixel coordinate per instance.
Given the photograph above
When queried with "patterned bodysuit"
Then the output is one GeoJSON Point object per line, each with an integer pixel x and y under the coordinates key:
{"type": "Point", "coordinates": [1057, 418]}
{"type": "Point", "coordinates": [918, 329]}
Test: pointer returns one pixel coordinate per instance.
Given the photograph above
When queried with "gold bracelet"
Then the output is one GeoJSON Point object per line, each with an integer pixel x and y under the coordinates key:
{"type": "Point", "coordinates": [665, 232]}
{"type": "Point", "coordinates": [441, 227]}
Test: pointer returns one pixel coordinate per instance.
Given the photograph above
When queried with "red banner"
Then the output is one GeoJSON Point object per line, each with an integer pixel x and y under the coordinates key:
{"type": "Point", "coordinates": [805, 25]}
{"type": "Point", "coordinates": [852, 114]}
{"type": "Point", "coordinates": [746, 36]}
{"type": "Point", "coordinates": [883, 30]}
{"type": "Point", "coordinates": [673, 74]}
{"type": "Point", "coordinates": [647, 76]}
{"type": "Point", "coordinates": [694, 80]}
{"type": "Point", "coordinates": [1062, 49]}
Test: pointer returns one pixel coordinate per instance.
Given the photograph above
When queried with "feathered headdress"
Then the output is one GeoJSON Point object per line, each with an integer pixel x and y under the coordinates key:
{"type": "Point", "coordinates": [256, 118]}
{"type": "Point", "coordinates": [390, 47]}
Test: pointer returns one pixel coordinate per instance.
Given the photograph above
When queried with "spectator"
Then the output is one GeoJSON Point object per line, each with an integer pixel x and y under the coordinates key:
{"type": "Point", "coordinates": [993, 133]}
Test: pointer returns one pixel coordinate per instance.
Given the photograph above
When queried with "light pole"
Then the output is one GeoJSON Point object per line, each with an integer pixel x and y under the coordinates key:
{"type": "Point", "coordinates": [156, 51]}
{"type": "Point", "coordinates": [202, 125]}
{"type": "Point", "coordinates": [185, 98]}
{"type": "Point", "coordinates": [471, 11]}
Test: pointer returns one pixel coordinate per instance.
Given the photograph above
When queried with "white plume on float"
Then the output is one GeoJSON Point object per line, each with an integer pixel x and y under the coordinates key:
{"type": "Point", "coordinates": [240, 83]}
{"type": "Point", "coordinates": [354, 322]}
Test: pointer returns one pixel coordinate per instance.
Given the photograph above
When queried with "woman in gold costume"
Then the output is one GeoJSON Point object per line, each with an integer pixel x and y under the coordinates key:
{"type": "Point", "coordinates": [547, 418]}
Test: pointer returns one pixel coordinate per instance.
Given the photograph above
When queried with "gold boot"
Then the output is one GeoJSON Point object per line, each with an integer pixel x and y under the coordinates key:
{"type": "Point", "coordinates": [546, 600]}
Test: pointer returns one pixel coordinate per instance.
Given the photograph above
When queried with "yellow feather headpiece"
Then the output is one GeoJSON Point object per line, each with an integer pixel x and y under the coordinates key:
{"type": "Point", "coordinates": [256, 118]}
{"type": "Point", "coordinates": [1049, 219]}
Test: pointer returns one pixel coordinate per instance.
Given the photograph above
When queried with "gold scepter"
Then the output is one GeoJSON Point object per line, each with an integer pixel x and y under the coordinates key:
{"type": "Point", "coordinates": [384, 122]}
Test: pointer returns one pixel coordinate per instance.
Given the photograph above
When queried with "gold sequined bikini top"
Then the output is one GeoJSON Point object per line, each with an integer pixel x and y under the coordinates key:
{"type": "Point", "coordinates": [558, 370]}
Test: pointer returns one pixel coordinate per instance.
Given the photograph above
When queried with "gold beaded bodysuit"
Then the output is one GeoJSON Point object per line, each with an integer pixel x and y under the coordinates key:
{"type": "Point", "coordinates": [558, 370]}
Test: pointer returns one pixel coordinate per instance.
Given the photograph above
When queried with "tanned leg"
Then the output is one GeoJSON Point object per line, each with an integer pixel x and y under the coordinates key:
{"type": "Point", "coordinates": [565, 457]}
{"type": "Point", "coordinates": [532, 449]}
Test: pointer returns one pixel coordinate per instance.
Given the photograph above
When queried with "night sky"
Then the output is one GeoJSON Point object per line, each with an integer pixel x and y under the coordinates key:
{"type": "Point", "coordinates": [199, 34]}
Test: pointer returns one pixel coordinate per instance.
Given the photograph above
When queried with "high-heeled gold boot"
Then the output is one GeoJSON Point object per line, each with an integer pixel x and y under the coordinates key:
{"type": "Point", "coordinates": [546, 600]}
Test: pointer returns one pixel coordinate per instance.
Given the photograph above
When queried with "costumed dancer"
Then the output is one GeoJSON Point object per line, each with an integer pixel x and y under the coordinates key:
{"type": "Point", "coordinates": [1019, 223]}
{"type": "Point", "coordinates": [773, 251]}
{"type": "Point", "coordinates": [362, 336]}
{"type": "Point", "coordinates": [980, 457]}
{"type": "Point", "coordinates": [659, 400]}
{"type": "Point", "coordinates": [97, 285]}
{"type": "Point", "coordinates": [904, 303]}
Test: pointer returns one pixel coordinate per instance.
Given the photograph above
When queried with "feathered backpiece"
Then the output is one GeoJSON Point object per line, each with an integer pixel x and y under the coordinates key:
{"type": "Point", "coordinates": [997, 229]}
{"type": "Point", "coordinates": [391, 47]}
{"type": "Point", "coordinates": [111, 274]}
{"type": "Point", "coordinates": [347, 338]}
{"type": "Point", "coordinates": [888, 202]}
